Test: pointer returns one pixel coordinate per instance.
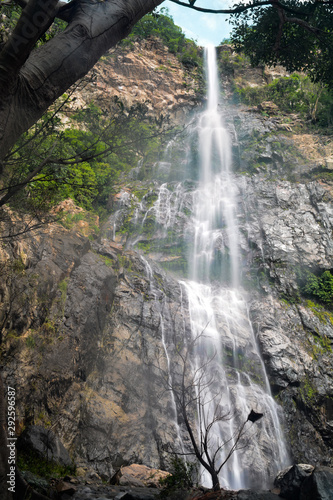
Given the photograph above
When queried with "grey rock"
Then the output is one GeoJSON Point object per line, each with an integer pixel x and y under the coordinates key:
{"type": "Point", "coordinates": [45, 443]}
{"type": "Point", "coordinates": [290, 480]}
{"type": "Point", "coordinates": [319, 485]}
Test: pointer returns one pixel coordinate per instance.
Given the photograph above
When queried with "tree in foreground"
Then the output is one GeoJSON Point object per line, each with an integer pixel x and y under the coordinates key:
{"type": "Point", "coordinates": [199, 404]}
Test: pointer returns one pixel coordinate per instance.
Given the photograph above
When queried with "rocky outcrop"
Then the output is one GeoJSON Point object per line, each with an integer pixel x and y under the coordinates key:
{"type": "Point", "coordinates": [87, 350]}
{"type": "Point", "coordinates": [82, 341]}
{"type": "Point", "coordinates": [144, 72]}
{"type": "Point", "coordinates": [37, 439]}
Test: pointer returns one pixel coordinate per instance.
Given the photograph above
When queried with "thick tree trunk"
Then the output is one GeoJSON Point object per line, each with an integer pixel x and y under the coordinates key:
{"type": "Point", "coordinates": [28, 90]}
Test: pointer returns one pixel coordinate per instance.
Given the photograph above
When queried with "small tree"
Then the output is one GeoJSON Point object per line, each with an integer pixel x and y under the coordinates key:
{"type": "Point", "coordinates": [196, 393]}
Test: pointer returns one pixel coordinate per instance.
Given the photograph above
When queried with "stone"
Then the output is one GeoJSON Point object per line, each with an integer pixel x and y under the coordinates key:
{"type": "Point", "coordinates": [65, 488]}
{"type": "Point", "coordinates": [290, 480]}
{"type": "Point", "coordinates": [45, 443]}
{"type": "Point", "coordinates": [134, 495]}
{"type": "Point", "coordinates": [268, 107]}
{"type": "Point", "coordinates": [318, 485]}
{"type": "Point", "coordinates": [138, 475]}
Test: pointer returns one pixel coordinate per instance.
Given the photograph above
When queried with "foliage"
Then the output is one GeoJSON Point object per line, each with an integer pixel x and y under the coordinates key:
{"type": "Point", "coordinates": [181, 476]}
{"type": "Point", "coordinates": [31, 461]}
{"type": "Point", "coordinates": [294, 94]}
{"type": "Point", "coordinates": [82, 161]}
{"type": "Point", "coordinates": [300, 37]}
{"type": "Point", "coordinates": [320, 287]}
{"type": "Point", "coordinates": [162, 26]}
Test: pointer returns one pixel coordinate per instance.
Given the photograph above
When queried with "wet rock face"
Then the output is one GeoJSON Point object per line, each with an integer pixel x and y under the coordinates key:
{"type": "Point", "coordinates": [45, 443]}
{"type": "Point", "coordinates": [287, 230]}
{"type": "Point", "coordinates": [88, 331]}
{"type": "Point", "coordinates": [88, 356]}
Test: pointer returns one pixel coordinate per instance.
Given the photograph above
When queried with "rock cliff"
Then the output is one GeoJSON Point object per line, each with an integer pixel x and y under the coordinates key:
{"type": "Point", "coordinates": [83, 321]}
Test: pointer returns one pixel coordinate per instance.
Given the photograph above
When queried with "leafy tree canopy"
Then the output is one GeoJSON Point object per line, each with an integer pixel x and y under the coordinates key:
{"type": "Point", "coordinates": [295, 33]}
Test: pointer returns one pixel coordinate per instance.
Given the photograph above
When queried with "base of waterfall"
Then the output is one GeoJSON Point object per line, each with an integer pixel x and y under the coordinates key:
{"type": "Point", "coordinates": [138, 482]}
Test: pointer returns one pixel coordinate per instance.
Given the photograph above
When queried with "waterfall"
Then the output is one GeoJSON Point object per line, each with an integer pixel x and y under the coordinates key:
{"type": "Point", "coordinates": [198, 218]}
{"type": "Point", "coordinates": [219, 316]}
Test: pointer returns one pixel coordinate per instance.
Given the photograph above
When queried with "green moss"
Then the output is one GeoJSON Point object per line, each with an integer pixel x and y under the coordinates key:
{"type": "Point", "coordinates": [107, 261]}
{"type": "Point", "coordinates": [30, 341]}
{"type": "Point", "coordinates": [319, 311]}
{"type": "Point", "coordinates": [63, 285]}
{"type": "Point", "coordinates": [126, 262]}
{"type": "Point", "coordinates": [308, 391]}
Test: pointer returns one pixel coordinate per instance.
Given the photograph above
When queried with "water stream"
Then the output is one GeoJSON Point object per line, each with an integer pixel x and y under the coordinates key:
{"type": "Point", "coordinates": [205, 212]}
{"type": "Point", "coordinates": [219, 315]}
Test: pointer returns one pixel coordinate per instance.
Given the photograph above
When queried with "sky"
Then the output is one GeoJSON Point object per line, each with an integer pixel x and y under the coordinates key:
{"type": "Point", "coordinates": [204, 28]}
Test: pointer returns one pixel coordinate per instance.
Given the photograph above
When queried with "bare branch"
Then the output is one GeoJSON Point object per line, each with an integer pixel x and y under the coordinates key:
{"type": "Point", "coordinates": [236, 10]}
{"type": "Point", "coordinates": [11, 191]}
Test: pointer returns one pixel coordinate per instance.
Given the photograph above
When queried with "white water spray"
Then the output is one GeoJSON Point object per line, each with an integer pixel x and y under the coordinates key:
{"type": "Point", "coordinates": [221, 313]}
{"type": "Point", "coordinates": [217, 306]}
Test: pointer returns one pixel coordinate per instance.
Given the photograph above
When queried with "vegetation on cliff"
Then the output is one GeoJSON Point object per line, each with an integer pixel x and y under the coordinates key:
{"type": "Point", "coordinates": [162, 26]}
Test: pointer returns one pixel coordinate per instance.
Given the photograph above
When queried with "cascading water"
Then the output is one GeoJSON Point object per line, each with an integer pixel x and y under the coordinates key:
{"type": "Point", "coordinates": [219, 316]}
{"type": "Point", "coordinates": [206, 213]}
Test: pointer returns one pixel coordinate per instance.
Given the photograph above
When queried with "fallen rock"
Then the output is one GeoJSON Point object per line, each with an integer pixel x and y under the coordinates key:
{"type": "Point", "coordinates": [290, 480]}
{"type": "Point", "coordinates": [137, 475]}
{"type": "Point", "coordinates": [318, 485]}
{"type": "Point", "coordinates": [65, 488]}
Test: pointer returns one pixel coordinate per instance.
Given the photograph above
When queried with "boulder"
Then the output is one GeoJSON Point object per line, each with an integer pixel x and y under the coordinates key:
{"type": "Point", "coordinates": [134, 495]}
{"type": "Point", "coordinates": [318, 485]}
{"type": "Point", "coordinates": [64, 488]}
{"type": "Point", "coordinates": [290, 480]}
{"type": "Point", "coordinates": [45, 443]}
{"type": "Point", "coordinates": [137, 475]}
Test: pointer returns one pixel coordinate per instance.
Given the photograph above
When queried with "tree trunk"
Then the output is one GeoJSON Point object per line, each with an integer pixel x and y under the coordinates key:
{"type": "Point", "coordinates": [29, 88]}
{"type": "Point", "coordinates": [215, 480]}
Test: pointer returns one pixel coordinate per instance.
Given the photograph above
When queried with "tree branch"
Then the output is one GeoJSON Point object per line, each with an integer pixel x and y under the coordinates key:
{"type": "Point", "coordinates": [13, 190]}
{"type": "Point", "coordinates": [235, 10]}
{"type": "Point", "coordinates": [293, 20]}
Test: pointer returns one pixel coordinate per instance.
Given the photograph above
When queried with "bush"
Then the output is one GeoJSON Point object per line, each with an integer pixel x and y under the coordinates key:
{"type": "Point", "coordinates": [162, 26]}
{"type": "Point", "coordinates": [320, 287]}
{"type": "Point", "coordinates": [181, 478]}
{"type": "Point", "coordinates": [294, 94]}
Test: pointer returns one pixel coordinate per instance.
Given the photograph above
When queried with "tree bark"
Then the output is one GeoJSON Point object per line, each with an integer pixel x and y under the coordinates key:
{"type": "Point", "coordinates": [30, 84]}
